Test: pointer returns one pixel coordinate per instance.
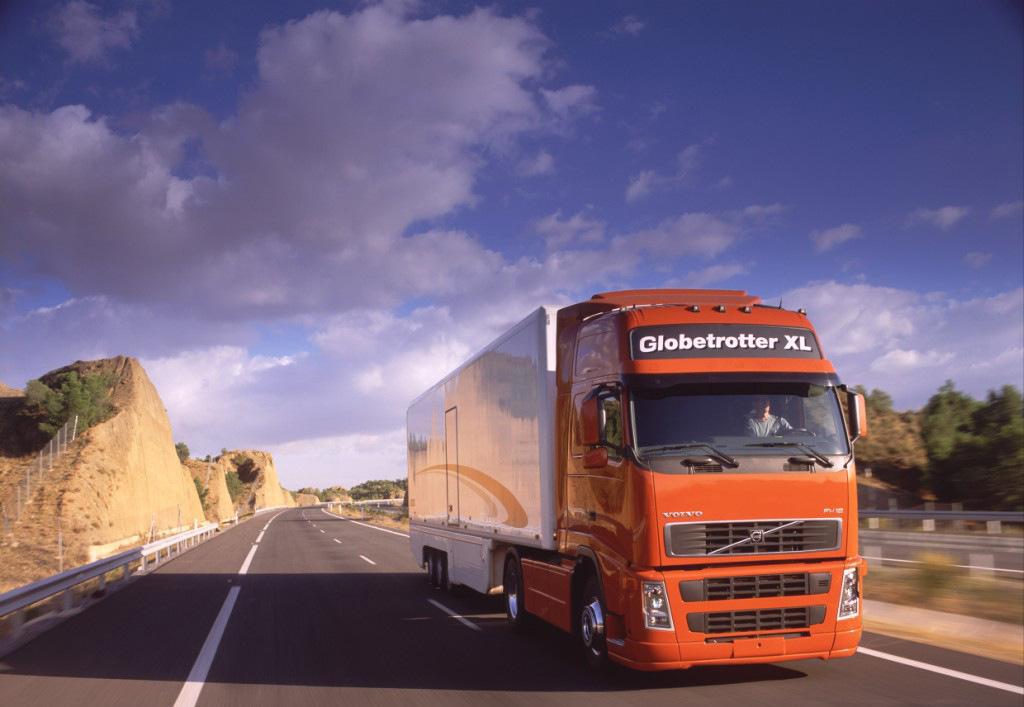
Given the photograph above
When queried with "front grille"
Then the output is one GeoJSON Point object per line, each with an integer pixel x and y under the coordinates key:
{"type": "Point", "coordinates": [755, 587]}
{"type": "Point", "coordinates": [755, 621]}
{"type": "Point", "coordinates": [734, 538]}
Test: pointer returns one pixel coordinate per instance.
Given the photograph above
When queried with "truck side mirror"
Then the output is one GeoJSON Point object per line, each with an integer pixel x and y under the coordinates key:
{"type": "Point", "coordinates": [858, 412]}
{"type": "Point", "coordinates": [590, 421]}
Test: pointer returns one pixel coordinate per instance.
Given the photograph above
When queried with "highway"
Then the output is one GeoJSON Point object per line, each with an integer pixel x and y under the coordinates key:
{"type": "Point", "coordinates": [306, 608]}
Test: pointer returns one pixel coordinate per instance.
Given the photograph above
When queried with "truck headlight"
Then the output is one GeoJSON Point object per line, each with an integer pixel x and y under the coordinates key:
{"type": "Point", "coordinates": [849, 597]}
{"type": "Point", "coordinates": [656, 610]}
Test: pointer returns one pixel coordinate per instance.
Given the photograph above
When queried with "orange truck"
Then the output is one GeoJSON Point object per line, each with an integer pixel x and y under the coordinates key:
{"type": "Point", "coordinates": [666, 474]}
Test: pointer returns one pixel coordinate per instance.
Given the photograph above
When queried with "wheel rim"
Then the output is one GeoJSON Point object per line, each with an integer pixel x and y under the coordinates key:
{"type": "Point", "coordinates": [512, 593]}
{"type": "Point", "coordinates": [592, 625]}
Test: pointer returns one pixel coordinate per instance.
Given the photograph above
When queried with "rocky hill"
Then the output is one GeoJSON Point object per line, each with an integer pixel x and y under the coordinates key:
{"type": "Point", "coordinates": [119, 483]}
{"type": "Point", "coordinates": [217, 500]}
{"type": "Point", "coordinates": [306, 499]}
{"type": "Point", "coordinates": [251, 479]}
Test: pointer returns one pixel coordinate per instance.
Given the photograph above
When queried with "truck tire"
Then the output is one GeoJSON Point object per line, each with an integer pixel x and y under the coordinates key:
{"type": "Point", "coordinates": [591, 625]}
{"type": "Point", "coordinates": [512, 589]}
{"type": "Point", "coordinates": [433, 569]}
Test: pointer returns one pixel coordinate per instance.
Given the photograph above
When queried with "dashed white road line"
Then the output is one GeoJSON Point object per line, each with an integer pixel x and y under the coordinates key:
{"type": "Point", "coordinates": [964, 567]}
{"type": "Point", "coordinates": [368, 559]}
{"type": "Point", "coordinates": [454, 615]}
{"type": "Point", "coordinates": [189, 694]}
{"type": "Point", "coordinates": [366, 525]}
{"type": "Point", "coordinates": [323, 531]}
{"type": "Point", "coordinates": [193, 686]}
{"type": "Point", "coordinates": [941, 671]}
{"type": "Point", "coordinates": [336, 540]}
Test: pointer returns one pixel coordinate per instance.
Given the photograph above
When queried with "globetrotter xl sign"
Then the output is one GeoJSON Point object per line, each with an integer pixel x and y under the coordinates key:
{"type": "Point", "coordinates": [722, 341]}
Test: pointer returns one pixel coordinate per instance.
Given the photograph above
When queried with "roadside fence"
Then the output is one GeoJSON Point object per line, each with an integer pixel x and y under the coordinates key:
{"type": "Point", "coordinates": [30, 479]}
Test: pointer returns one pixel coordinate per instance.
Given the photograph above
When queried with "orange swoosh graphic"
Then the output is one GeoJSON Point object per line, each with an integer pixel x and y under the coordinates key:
{"type": "Point", "coordinates": [516, 513]}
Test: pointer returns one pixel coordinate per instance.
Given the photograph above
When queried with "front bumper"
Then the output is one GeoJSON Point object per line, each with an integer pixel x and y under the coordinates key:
{"type": "Point", "coordinates": [684, 647]}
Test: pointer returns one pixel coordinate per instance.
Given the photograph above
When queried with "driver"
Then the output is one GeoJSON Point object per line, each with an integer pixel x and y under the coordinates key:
{"type": "Point", "coordinates": [762, 423]}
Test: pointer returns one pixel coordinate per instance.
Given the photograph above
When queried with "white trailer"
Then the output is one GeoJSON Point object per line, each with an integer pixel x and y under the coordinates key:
{"type": "Point", "coordinates": [481, 452]}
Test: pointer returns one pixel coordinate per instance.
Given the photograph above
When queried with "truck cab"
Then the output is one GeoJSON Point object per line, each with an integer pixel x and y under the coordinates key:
{"type": "Point", "coordinates": [706, 481]}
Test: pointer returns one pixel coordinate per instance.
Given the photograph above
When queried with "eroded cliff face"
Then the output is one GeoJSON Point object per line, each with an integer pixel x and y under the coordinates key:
{"type": "Point", "coordinates": [119, 484]}
{"type": "Point", "coordinates": [306, 499]}
{"type": "Point", "coordinates": [217, 504]}
{"type": "Point", "coordinates": [258, 476]}
{"type": "Point", "coordinates": [127, 481]}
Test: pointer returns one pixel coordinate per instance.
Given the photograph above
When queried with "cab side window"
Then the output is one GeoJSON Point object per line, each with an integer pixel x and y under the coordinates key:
{"type": "Point", "coordinates": [611, 424]}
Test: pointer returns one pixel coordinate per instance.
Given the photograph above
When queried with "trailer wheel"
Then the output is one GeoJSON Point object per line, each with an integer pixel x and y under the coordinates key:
{"type": "Point", "coordinates": [515, 600]}
{"type": "Point", "coordinates": [590, 627]}
{"type": "Point", "coordinates": [433, 569]}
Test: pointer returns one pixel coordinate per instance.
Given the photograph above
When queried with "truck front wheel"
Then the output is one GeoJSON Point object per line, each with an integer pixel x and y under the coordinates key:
{"type": "Point", "coordinates": [590, 626]}
{"type": "Point", "coordinates": [512, 581]}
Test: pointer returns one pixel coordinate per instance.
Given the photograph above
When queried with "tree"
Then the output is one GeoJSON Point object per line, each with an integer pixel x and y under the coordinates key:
{"type": "Point", "coordinates": [235, 486]}
{"type": "Point", "coordinates": [182, 449]}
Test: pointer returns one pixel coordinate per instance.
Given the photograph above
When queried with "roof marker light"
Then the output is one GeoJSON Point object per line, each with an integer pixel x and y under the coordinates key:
{"type": "Point", "coordinates": [694, 308]}
{"type": "Point", "coordinates": [802, 311]}
{"type": "Point", "coordinates": [745, 309]}
{"type": "Point", "coordinates": [720, 308]}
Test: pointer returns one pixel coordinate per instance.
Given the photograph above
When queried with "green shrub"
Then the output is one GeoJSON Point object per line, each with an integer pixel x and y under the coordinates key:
{"type": "Point", "coordinates": [182, 449]}
{"type": "Point", "coordinates": [86, 396]}
{"type": "Point", "coordinates": [235, 486]}
{"type": "Point", "coordinates": [246, 468]}
{"type": "Point", "coordinates": [202, 491]}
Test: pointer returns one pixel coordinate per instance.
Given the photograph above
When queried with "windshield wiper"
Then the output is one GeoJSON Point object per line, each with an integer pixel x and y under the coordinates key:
{"type": "Point", "coordinates": [818, 457]}
{"type": "Point", "coordinates": [714, 452]}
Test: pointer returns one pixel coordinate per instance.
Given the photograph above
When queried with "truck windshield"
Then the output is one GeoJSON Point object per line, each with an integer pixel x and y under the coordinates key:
{"type": "Point", "coordinates": [737, 417]}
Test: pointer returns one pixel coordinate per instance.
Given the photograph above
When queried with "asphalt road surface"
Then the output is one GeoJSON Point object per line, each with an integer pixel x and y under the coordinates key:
{"type": "Point", "coordinates": [306, 608]}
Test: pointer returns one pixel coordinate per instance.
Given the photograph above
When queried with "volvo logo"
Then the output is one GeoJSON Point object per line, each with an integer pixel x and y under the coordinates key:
{"type": "Point", "coordinates": [683, 514]}
{"type": "Point", "coordinates": [756, 537]}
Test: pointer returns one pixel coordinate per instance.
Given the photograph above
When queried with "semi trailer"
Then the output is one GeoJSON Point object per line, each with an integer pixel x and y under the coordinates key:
{"type": "Point", "coordinates": [667, 474]}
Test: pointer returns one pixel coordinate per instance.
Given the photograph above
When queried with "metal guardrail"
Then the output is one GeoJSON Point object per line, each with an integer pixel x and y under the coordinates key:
{"type": "Point", "coordinates": [982, 516]}
{"type": "Point", "coordinates": [16, 600]}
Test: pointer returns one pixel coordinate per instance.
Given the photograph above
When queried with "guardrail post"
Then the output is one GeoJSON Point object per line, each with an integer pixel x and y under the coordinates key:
{"type": "Point", "coordinates": [928, 524]}
{"type": "Point", "coordinates": [958, 524]}
{"type": "Point", "coordinates": [67, 599]}
{"type": "Point", "coordinates": [126, 571]}
{"type": "Point", "coordinates": [873, 523]}
{"type": "Point", "coordinates": [993, 527]}
{"type": "Point", "coordinates": [17, 621]}
{"type": "Point", "coordinates": [982, 564]}
{"type": "Point", "coordinates": [103, 583]}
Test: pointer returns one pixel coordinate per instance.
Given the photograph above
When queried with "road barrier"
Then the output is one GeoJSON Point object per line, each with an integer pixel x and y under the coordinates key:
{"type": "Point", "coordinates": [993, 520]}
{"type": "Point", "coordinates": [13, 604]}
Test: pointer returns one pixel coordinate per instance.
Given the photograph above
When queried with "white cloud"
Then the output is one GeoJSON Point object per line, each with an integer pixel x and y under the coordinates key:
{"type": "Point", "coordinates": [977, 260]}
{"type": "Point", "coordinates": [341, 460]}
{"type": "Point", "coordinates": [909, 343]}
{"type": "Point", "coordinates": [88, 37]}
{"type": "Point", "coordinates": [1007, 210]}
{"type": "Point", "coordinates": [541, 163]}
{"type": "Point", "coordinates": [945, 217]}
{"type": "Point", "coordinates": [699, 234]}
{"type": "Point", "coordinates": [356, 127]}
{"type": "Point", "coordinates": [906, 361]}
{"type": "Point", "coordinates": [688, 160]}
{"type": "Point", "coordinates": [630, 24]}
{"type": "Point", "coordinates": [710, 275]}
{"type": "Point", "coordinates": [831, 237]}
{"type": "Point", "coordinates": [571, 102]}
{"type": "Point", "coordinates": [759, 212]}
{"type": "Point", "coordinates": [640, 185]}
{"type": "Point", "coordinates": [579, 228]}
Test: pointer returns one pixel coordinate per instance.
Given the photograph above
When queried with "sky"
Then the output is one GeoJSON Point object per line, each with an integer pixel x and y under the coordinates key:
{"type": "Point", "coordinates": [300, 215]}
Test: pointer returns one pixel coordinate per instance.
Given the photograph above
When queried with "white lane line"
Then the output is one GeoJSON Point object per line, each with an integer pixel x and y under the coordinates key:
{"type": "Point", "coordinates": [260, 536]}
{"type": "Point", "coordinates": [451, 613]}
{"type": "Point", "coordinates": [368, 559]}
{"type": "Point", "coordinates": [965, 567]}
{"type": "Point", "coordinates": [248, 560]}
{"type": "Point", "coordinates": [337, 541]}
{"type": "Point", "coordinates": [189, 694]}
{"type": "Point", "coordinates": [367, 525]}
{"type": "Point", "coordinates": [941, 671]}
{"type": "Point", "coordinates": [323, 531]}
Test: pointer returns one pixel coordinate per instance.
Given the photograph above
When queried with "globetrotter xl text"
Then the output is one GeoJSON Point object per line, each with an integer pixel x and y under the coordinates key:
{"type": "Point", "coordinates": [722, 341]}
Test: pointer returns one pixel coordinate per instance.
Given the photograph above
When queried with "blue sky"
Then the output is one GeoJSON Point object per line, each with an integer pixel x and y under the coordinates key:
{"type": "Point", "coordinates": [299, 215]}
